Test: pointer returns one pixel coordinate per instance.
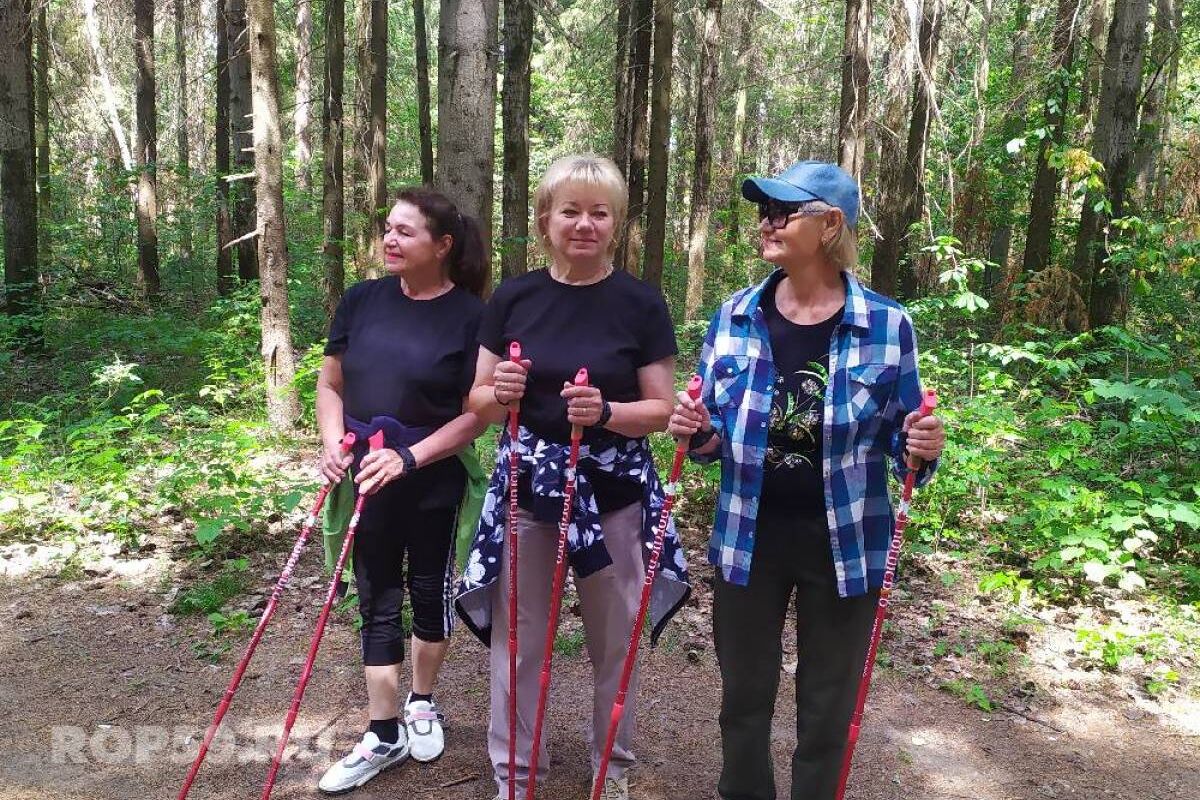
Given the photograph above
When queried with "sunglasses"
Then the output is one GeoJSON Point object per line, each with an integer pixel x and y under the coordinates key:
{"type": "Point", "coordinates": [778, 214]}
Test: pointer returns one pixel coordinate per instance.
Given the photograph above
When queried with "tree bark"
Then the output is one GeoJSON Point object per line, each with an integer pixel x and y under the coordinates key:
{"type": "Point", "coordinates": [377, 164]}
{"type": "Point", "coordinates": [518, 41]}
{"type": "Point", "coordinates": [147, 147]}
{"type": "Point", "coordinates": [333, 195]}
{"type": "Point", "coordinates": [1150, 129]}
{"type": "Point", "coordinates": [42, 133]}
{"type": "Point", "coordinates": [629, 249]}
{"type": "Point", "coordinates": [1014, 124]}
{"type": "Point", "coordinates": [739, 147]}
{"type": "Point", "coordinates": [18, 184]}
{"type": "Point", "coordinates": [706, 107]}
{"type": "Point", "coordinates": [424, 122]}
{"type": "Point", "coordinates": [303, 110]}
{"type": "Point", "coordinates": [225, 276]}
{"type": "Point", "coordinates": [467, 37]}
{"type": "Point", "coordinates": [1112, 146]}
{"type": "Point", "coordinates": [898, 72]}
{"type": "Point", "coordinates": [183, 165]}
{"type": "Point", "coordinates": [660, 136]}
{"type": "Point", "coordinates": [283, 408]}
{"type": "Point", "coordinates": [91, 30]}
{"type": "Point", "coordinates": [620, 150]}
{"type": "Point", "coordinates": [856, 78]}
{"type": "Point", "coordinates": [1044, 195]}
{"type": "Point", "coordinates": [1097, 35]}
{"type": "Point", "coordinates": [1162, 175]}
{"type": "Point", "coordinates": [241, 137]}
{"type": "Point", "coordinates": [904, 207]}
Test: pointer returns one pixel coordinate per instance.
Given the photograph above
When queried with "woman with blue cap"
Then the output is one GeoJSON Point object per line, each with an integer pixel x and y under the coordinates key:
{"type": "Point", "coordinates": [810, 388]}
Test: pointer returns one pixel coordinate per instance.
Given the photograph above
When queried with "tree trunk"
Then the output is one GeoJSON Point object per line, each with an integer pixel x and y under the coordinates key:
{"type": "Point", "coordinates": [42, 133]}
{"type": "Point", "coordinates": [18, 184]}
{"type": "Point", "coordinates": [147, 147]}
{"type": "Point", "coordinates": [424, 123]}
{"type": "Point", "coordinates": [1112, 146]}
{"type": "Point", "coordinates": [91, 29]}
{"type": "Point", "coordinates": [630, 247]}
{"type": "Point", "coordinates": [303, 110]}
{"type": "Point", "coordinates": [467, 56]}
{"type": "Point", "coordinates": [904, 206]}
{"type": "Point", "coordinates": [1097, 35]}
{"type": "Point", "coordinates": [1014, 125]}
{"type": "Point", "coordinates": [1162, 175]}
{"type": "Point", "coordinates": [241, 138]}
{"type": "Point", "coordinates": [183, 166]}
{"type": "Point", "coordinates": [660, 139]}
{"type": "Point", "coordinates": [279, 361]}
{"type": "Point", "coordinates": [1150, 130]}
{"type": "Point", "coordinates": [225, 277]}
{"type": "Point", "coordinates": [747, 58]}
{"type": "Point", "coordinates": [856, 77]}
{"type": "Point", "coordinates": [898, 71]}
{"type": "Point", "coordinates": [518, 42]}
{"type": "Point", "coordinates": [1044, 195]}
{"type": "Point", "coordinates": [333, 196]}
{"type": "Point", "coordinates": [377, 164]}
{"type": "Point", "coordinates": [706, 107]}
{"type": "Point", "coordinates": [620, 149]}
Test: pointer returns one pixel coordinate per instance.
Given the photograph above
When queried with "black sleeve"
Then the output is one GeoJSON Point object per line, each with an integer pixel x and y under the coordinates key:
{"type": "Point", "coordinates": [658, 333]}
{"type": "Point", "coordinates": [491, 324]}
{"type": "Point", "coordinates": [339, 328]}
{"type": "Point", "coordinates": [471, 350]}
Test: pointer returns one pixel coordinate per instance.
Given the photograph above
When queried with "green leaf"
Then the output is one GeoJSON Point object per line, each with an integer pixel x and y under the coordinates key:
{"type": "Point", "coordinates": [1186, 514]}
{"type": "Point", "coordinates": [207, 530]}
{"type": "Point", "coordinates": [1071, 553]}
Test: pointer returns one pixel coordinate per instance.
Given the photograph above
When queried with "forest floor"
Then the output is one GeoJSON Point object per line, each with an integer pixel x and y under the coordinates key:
{"type": "Point", "coordinates": [108, 692]}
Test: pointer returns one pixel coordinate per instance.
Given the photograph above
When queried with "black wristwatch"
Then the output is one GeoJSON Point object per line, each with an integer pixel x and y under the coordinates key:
{"type": "Point", "coordinates": [605, 414]}
{"type": "Point", "coordinates": [410, 461]}
{"type": "Point", "coordinates": [701, 438]}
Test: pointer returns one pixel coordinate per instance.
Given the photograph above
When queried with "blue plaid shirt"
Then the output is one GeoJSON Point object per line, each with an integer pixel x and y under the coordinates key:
{"type": "Point", "coordinates": [873, 384]}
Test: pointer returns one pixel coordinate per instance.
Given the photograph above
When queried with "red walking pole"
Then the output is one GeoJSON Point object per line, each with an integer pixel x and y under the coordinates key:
{"type": "Point", "coordinates": [618, 709]}
{"type": "Point", "coordinates": [376, 442]}
{"type": "Point", "coordinates": [556, 590]}
{"type": "Point", "coordinates": [236, 681]}
{"type": "Point", "coordinates": [514, 354]}
{"type": "Point", "coordinates": [928, 404]}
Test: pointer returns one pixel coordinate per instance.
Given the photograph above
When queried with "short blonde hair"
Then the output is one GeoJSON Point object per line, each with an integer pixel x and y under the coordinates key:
{"type": "Point", "coordinates": [585, 170]}
{"type": "Point", "coordinates": [842, 249]}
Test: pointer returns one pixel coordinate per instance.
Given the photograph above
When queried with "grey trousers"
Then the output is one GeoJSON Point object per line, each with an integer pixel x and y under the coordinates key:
{"type": "Point", "coordinates": [609, 601]}
{"type": "Point", "coordinates": [790, 555]}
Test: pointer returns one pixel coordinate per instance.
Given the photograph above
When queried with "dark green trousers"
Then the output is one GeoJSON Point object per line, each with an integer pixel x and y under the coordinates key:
{"type": "Point", "coordinates": [791, 556]}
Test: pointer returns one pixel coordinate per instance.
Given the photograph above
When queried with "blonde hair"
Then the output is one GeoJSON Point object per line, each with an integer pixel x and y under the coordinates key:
{"type": "Point", "coordinates": [842, 249]}
{"type": "Point", "coordinates": [585, 170]}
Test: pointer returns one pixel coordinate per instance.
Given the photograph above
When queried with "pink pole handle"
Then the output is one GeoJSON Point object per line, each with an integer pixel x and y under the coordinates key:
{"type": "Point", "coordinates": [694, 385]}
{"type": "Point", "coordinates": [348, 442]}
{"type": "Point", "coordinates": [929, 402]}
{"type": "Point", "coordinates": [581, 377]}
{"type": "Point", "coordinates": [514, 350]}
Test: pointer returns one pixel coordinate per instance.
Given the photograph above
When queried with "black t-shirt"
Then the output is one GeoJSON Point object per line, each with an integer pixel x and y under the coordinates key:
{"type": "Point", "coordinates": [613, 327]}
{"type": "Point", "coordinates": [792, 479]}
{"type": "Point", "coordinates": [413, 360]}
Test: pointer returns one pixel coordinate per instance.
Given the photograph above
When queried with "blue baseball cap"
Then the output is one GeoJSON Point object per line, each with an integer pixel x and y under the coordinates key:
{"type": "Point", "coordinates": [805, 181]}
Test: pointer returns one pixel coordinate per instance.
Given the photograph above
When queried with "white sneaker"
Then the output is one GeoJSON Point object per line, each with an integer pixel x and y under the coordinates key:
{"type": "Point", "coordinates": [368, 758]}
{"type": "Point", "coordinates": [423, 722]}
{"type": "Point", "coordinates": [615, 788]}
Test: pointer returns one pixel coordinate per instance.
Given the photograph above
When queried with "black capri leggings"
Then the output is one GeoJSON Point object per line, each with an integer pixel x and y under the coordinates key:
{"type": "Point", "coordinates": [391, 527]}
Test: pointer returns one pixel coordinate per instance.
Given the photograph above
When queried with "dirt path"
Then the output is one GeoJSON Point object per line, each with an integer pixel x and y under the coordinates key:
{"type": "Point", "coordinates": [95, 677]}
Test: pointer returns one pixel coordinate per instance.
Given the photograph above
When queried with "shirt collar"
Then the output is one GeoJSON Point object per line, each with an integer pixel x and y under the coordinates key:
{"type": "Point", "coordinates": [856, 302]}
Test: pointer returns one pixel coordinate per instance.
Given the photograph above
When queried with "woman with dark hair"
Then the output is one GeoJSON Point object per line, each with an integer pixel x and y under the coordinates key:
{"type": "Point", "coordinates": [810, 395]}
{"type": "Point", "coordinates": [401, 358]}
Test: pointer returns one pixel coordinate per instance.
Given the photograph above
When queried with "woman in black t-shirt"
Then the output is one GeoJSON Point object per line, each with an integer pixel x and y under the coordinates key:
{"type": "Point", "coordinates": [577, 313]}
{"type": "Point", "coordinates": [400, 358]}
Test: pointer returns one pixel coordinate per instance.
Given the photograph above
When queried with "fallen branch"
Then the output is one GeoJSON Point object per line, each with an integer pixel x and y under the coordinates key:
{"type": "Point", "coordinates": [245, 176]}
{"type": "Point", "coordinates": [459, 781]}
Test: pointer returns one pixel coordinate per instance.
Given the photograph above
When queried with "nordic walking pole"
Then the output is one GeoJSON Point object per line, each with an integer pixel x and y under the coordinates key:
{"type": "Point", "coordinates": [556, 590]}
{"type": "Point", "coordinates": [376, 442]}
{"type": "Point", "coordinates": [346, 444]}
{"type": "Point", "coordinates": [514, 428]}
{"type": "Point", "coordinates": [928, 404]}
{"type": "Point", "coordinates": [618, 709]}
